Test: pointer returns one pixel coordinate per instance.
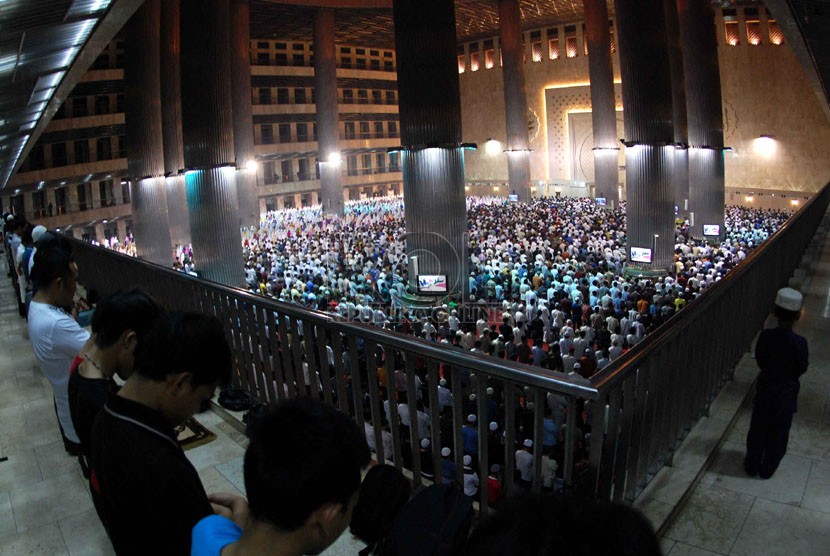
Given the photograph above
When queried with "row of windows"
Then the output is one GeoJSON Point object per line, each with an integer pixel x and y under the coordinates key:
{"type": "Point", "coordinates": [108, 196]}
{"type": "Point", "coordinates": [753, 21]}
{"type": "Point", "coordinates": [559, 45]}
{"type": "Point", "coordinates": [351, 130]}
{"type": "Point", "coordinates": [302, 169]}
{"type": "Point", "coordinates": [111, 57]}
{"type": "Point", "coordinates": [59, 153]}
{"type": "Point", "coordinates": [80, 107]}
{"type": "Point", "coordinates": [274, 53]}
{"type": "Point", "coordinates": [285, 95]}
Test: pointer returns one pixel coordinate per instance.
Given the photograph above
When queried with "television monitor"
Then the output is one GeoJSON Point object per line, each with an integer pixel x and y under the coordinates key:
{"type": "Point", "coordinates": [513, 198]}
{"type": "Point", "coordinates": [432, 283]}
{"type": "Point", "coordinates": [601, 201]}
{"type": "Point", "coordinates": [711, 229]}
{"type": "Point", "coordinates": [640, 255]}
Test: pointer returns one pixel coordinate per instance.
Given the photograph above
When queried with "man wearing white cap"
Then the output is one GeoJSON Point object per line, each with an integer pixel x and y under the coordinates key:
{"type": "Point", "coordinates": [524, 463]}
{"type": "Point", "coordinates": [783, 357]}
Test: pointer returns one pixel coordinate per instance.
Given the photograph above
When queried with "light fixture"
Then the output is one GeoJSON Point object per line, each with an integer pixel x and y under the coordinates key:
{"type": "Point", "coordinates": [765, 145]}
{"type": "Point", "coordinates": [749, 198]}
{"type": "Point", "coordinates": [794, 202]}
{"type": "Point", "coordinates": [492, 147]}
{"type": "Point", "coordinates": [335, 159]}
{"type": "Point", "coordinates": [251, 165]}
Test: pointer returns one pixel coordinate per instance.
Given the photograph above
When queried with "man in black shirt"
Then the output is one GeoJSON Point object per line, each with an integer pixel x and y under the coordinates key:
{"type": "Point", "coordinates": [149, 494]}
{"type": "Point", "coordinates": [117, 323]}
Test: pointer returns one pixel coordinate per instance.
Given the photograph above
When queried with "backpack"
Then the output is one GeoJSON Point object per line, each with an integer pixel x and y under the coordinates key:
{"type": "Point", "coordinates": [383, 493]}
{"type": "Point", "coordinates": [234, 399]}
{"type": "Point", "coordinates": [435, 522]}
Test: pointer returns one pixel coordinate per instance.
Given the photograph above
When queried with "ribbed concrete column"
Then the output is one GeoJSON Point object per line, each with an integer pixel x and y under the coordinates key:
{"type": "Point", "coordinates": [325, 95]}
{"type": "Point", "coordinates": [603, 109]}
{"type": "Point", "coordinates": [243, 126]}
{"type": "Point", "coordinates": [207, 132]}
{"type": "Point", "coordinates": [433, 163]}
{"type": "Point", "coordinates": [145, 154]}
{"type": "Point", "coordinates": [646, 88]}
{"type": "Point", "coordinates": [171, 118]}
{"type": "Point", "coordinates": [681, 128]}
{"type": "Point", "coordinates": [705, 112]}
{"type": "Point", "coordinates": [515, 98]}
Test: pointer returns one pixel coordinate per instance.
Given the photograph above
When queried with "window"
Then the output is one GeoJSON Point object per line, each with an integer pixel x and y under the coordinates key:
{"type": "Point", "coordinates": [489, 54]}
{"type": "Point", "coordinates": [107, 193]}
{"type": "Point", "coordinates": [776, 36]}
{"type": "Point", "coordinates": [362, 96]}
{"type": "Point", "coordinates": [125, 192]}
{"type": "Point", "coordinates": [553, 44]}
{"type": "Point", "coordinates": [302, 132]}
{"type": "Point", "coordinates": [79, 107]}
{"type": "Point", "coordinates": [298, 60]}
{"type": "Point", "coordinates": [60, 201]}
{"type": "Point", "coordinates": [393, 129]}
{"type": "Point", "coordinates": [390, 97]}
{"type": "Point", "coordinates": [378, 129]}
{"type": "Point", "coordinates": [81, 151]}
{"type": "Point", "coordinates": [313, 99]}
{"type": "Point", "coordinates": [394, 165]}
{"type": "Point", "coordinates": [374, 65]}
{"type": "Point", "coordinates": [103, 148]}
{"type": "Point", "coordinates": [304, 174]}
{"type": "Point", "coordinates": [269, 171]}
{"type": "Point", "coordinates": [102, 105]}
{"type": "Point", "coordinates": [360, 63]}
{"type": "Point", "coordinates": [119, 103]}
{"type": "Point", "coordinates": [314, 132]}
{"type": "Point", "coordinates": [281, 46]}
{"type": "Point", "coordinates": [462, 59]}
{"type": "Point", "coordinates": [285, 168]}
{"type": "Point", "coordinates": [59, 154]}
{"type": "Point", "coordinates": [348, 96]}
{"type": "Point", "coordinates": [102, 61]}
{"type": "Point", "coordinates": [380, 159]}
{"type": "Point", "coordinates": [282, 95]}
{"type": "Point", "coordinates": [281, 59]}
{"type": "Point", "coordinates": [474, 57]}
{"type": "Point", "coordinates": [753, 26]}
{"type": "Point", "coordinates": [730, 27]}
{"type": "Point", "coordinates": [267, 134]}
{"type": "Point", "coordinates": [299, 96]}
{"type": "Point", "coordinates": [364, 130]}
{"type": "Point", "coordinates": [360, 51]}
{"type": "Point", "coordinates": [351, 165]}
{"type": "Point", "coordinates": [345, 50]}
{"type": "Point", "coordinates": [570, 41]}
{"type": "Point", "coordinates": [377, 97]}
{"type": "Point", "coordinates": [36, 159]}
{"type": "Point", "coordinates": [298, 46]}
{"type": "Point", "coordinates": [388, 65]}
{"type": "Point", "coordinates": [367, 164]}
{"type": "Point", "coordinates": [39, 203]}
{"type": "Point", "coordinates": [535, 47]}
{"type": "Point", "coordinates": [262, 44]}
{"type": "Point", "coordinates": [345, 62]}
{"type": "Point", "coordinates": [285, 133]}
{"type": "Point", "coordinates": [263, 58]}
{"type": "Point", "coordinates": [122, 147]}
{"type": "Point", "coordinates": [350, 132]}
{"type": "Point", "coordinates": [82, 196]}
{"type": "Point", "coordinates": [61, 113]}
{"type": "Point", "coordinates": [265, 95]}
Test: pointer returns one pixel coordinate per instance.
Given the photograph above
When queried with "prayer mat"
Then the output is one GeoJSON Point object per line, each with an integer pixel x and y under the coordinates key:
{"type": "Point", "coordinates": [192, 434]}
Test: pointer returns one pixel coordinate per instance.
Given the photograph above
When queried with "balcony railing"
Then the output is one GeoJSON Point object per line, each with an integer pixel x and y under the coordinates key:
{"type": "Point", "coordinates": [640, 407]}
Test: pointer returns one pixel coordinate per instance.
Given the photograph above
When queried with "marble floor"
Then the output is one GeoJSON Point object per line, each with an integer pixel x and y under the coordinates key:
{"type": "Point", "coordinates": [45, 506]}
{"type": "Point", "coordinates": [729, 513]}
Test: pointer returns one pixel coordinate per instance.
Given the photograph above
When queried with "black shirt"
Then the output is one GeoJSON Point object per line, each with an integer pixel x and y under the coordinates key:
{"type": "Point", "coordinates": [149, 494]}
{"type": "Point", "coordinates": [86, 398]}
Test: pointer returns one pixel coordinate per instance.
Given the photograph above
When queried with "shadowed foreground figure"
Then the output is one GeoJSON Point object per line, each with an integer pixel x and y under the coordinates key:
{"type": "Point", "coordinates": [783, 357]}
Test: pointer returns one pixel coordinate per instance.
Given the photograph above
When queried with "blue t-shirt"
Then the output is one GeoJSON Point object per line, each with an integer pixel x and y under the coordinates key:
{"type": "Point", "coordinates": [212, 534]}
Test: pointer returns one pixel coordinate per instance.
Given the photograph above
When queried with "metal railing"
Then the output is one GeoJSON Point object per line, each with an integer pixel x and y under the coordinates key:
{"type": "Point", "coordinates": [639, 408]}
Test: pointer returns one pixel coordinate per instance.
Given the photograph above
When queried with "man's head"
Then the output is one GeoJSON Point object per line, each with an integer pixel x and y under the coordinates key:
{"type": "Point", "coordinates": [302, 471]}
{"type": "Point", "coordinates": [189, 354]}
{"type": "Point", "coordinates": [55, 273]}
{"type": "Point", "coordinates": [120, 320]}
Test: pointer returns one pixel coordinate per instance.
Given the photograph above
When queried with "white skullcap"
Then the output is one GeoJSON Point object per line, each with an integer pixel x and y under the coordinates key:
{"type": "Point", "coordinates": [494, 426]}
{"type": "Point", "coordinates": [789, 299]}
{"type": "Point", "coordinates": [467, 460]}
{"type": "Point", "coordinates": [528, 443]}
{"type": "Point", "coordinates": [471, 418]}
{"type": "Point", "coordinates": [445, 452]}
{"type": "Point", "coordinates": [37, 232]}
{"type": "Point", "coordinates": [425, 443]}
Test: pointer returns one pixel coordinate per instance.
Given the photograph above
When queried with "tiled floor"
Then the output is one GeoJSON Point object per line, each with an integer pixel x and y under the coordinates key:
{"type": "Point", "coordinates": [45, 507]}
{"type": "Point", "coordinates": [729, 513]}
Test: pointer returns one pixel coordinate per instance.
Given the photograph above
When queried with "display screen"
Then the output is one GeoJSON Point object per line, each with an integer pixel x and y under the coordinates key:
{"type": "Point", "coordinates": [640, 255]}
{"type": "Point", "coordinates": [601, 201]}
{"type": "Point", "coordinates": [711, 230]}
{"type": "Point", "coordinates": [513, 198]}
{"type": "Point", "coordinates": [432, 283]}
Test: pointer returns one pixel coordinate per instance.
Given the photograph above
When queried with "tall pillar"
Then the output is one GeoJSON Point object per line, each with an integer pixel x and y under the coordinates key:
{"type": "Point", "coordinates": [243, 122]}
{"type": "Point", "coordinates": [681, 128]}
{"type": "Point", "coordinates": [121, 227]}
{"type": "Point", "coordinates": [171, 117]}
{"type": "Point", "coordinates": [649, 133]}
{"type": "Point", "coordinates": [707, 189]}
{"type": "Point", "coordinates": [145, 156]}
{"type": "Point", "coordinates": [325, 95]}
{"type": "Point", "coordinates": [207, 133]}
{"type": "Point", "coordinates": [96, 194]}
{"type": "Point", "coordinates": [603, 101]}
{"type": "Point", "coordinates": [433, 159]}
{"type": "Point", "coordinates": [515, 98]}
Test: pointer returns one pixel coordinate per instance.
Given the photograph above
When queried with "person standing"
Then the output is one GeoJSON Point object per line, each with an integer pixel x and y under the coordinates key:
{"type": "Point", "coordinates": [783, 357]}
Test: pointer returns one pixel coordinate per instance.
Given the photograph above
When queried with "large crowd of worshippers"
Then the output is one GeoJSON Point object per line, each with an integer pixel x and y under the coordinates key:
{"type": "Point", "coordinates": [553, 269]}
{"type": "Point", "coordinates": [550, 271]}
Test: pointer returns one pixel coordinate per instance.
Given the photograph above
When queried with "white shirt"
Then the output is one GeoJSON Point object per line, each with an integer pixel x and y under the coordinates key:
{"type": "Point", "coordinates": [470, 482]}
{"type": "Point", "coordinates": [56, 340]}
{"type": "Point", "coordinates": [524, 464]}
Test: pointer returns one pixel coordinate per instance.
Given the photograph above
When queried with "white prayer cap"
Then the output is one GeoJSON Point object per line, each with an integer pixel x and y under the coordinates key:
{"type": "Point", "coordinates": [789, 299]}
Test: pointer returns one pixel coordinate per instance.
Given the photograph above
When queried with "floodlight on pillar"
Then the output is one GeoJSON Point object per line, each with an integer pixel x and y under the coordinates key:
{"type": "Point", "coordinates": [334, 159]}
{"type": "Point", "coordinates": [251, 165]}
